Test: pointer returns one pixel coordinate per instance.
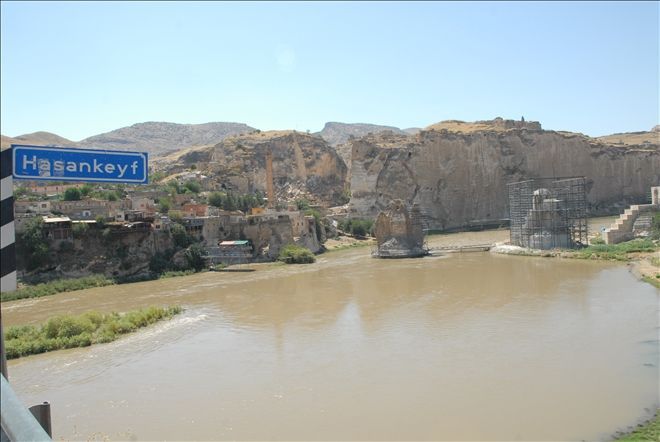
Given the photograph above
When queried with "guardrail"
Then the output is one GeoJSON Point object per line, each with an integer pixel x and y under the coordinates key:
{"type": "Point", "coordinates": [17, 422]}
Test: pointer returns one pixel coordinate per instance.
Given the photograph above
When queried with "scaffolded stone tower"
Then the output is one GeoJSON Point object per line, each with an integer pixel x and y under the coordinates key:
{"type": "Point", "coordinates": [548, 213]}
{"type": "Point", "coordinates": [399, 232]}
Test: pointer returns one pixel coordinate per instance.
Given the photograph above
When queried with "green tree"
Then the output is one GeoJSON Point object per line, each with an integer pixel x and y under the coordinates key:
{"type": "Point", "coordinates": [230, 202]}
{"type": "Point", "coordinates": [72, 194]}
{"type": "Point", "coordinates": [193, 186]}
{"type": "Point", "coordinates": [302, 204]}
{"type": "Point", "coordinates": [156, 176]}
{"type": "Point", "coordinates": [195, 257]}
{"type": "Point", "coordinates": [86, 189]}
{"type": "Point", "coordinates": [161, 261]}
{"type": "Point", "coordinates": [179, 235]}
{"type": "Point", "coordinates": [164, 204]}
{"type": "Point", "coordinates": [345, 197]}
{"type": "Point", "coordinates": [216, 199]}
{"type": "Point", "coordinates": [359, 228]}
{"type": "Point", "coordinates": [174, 186]}
{"type": "Point", "coordinates": [33, 245]}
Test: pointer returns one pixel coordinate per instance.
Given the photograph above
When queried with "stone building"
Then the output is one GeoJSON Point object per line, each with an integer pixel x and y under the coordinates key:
{"type": "Point", "coordinates": [399, 232]}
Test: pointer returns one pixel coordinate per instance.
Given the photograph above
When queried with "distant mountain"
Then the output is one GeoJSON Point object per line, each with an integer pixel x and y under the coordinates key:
{"type": "Point", "coordinates": [38, 139]}
{"type": "Point", "coordinates": [634, 138]}
{"type": "Point", "coordinates": [412, 130]}
{"type": "Point", "coordinates": [159, 138]}
{"type": "Point", "coordinates": [339, 133]}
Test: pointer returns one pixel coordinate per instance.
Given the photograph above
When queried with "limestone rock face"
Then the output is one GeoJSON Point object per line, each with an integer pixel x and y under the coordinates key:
{"type": "Point", "coordinates": [303, 165]}
{"type": "Point", "coordinates": [456, 177]}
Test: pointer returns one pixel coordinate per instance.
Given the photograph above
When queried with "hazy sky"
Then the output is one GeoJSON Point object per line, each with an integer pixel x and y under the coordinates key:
{"type": "Point", "coordinates": [82, 68]}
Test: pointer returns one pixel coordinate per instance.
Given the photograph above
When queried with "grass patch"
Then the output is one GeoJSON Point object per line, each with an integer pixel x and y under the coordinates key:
{"type": "Point", "coordinates": [654, 281]}
{"type": "Point", "coordinates": [175, 273]}
{"type": "Point", "coordinates": [293, 254]}
{"type": "Point", "coordinates": [67, 331]}
{"type": "Point", "coordinates": [618, 252]}
{"type": "Point", "coordinates": [53, 287]}
{"type": "Point", "coordinates": [650, 431]}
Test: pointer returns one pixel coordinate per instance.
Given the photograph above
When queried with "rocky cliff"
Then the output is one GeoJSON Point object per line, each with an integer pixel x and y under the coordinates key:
{"type": "Point", "coordinates": [303, 165]}
{"type": "Point", "coordinates": [459, 176]}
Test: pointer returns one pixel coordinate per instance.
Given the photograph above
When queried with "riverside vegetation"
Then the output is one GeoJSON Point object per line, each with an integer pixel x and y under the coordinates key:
{"type": "Point", "coordinates": [293, 254]}
{"type": "Point", "coordinates": [617, 252]}
{"type": "Point", "coordinates": [67, 331]}
{"type": "Point", "coordinates": [649, 431]}
{"type": "Point", "coordinates": [69, 285]}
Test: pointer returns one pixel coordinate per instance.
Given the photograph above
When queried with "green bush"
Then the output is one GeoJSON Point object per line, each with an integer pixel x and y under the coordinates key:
{"type": "Point", "coordinates": [293, 254]}
{"type": "Point", "coordinates": [356, 226]}
{"type": "Point", "coordinates": [68, 331]}
{"type": "Point", "coordinates": [72, 194]}
{"type": "Point", "coordinates": [192, 186]}
{"type": "Point", "coordinates": [302, 204]}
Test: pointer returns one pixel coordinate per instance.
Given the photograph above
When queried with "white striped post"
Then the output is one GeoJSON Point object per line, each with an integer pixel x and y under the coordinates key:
{"type": "Point", "coordinates": [7, 240]}
{"type": "Point", "coordinates": [8, 273]}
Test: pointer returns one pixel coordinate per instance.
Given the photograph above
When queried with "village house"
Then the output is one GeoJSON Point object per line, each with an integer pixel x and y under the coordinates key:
{"type": "Point", "coordinates": [89, 208]}
{"type": "Point", "coordinates": [162, 222]}
{"type": "Point", "coordinates": [180, 199]}
{"type": "Point", "coordinates": [194, 226]}
{"type": "Point", "coordinates": [154, 194]}
{"type": "Point", "coordinates": [38, 207]}
{"type": "Point", "coordinates": [52, 189]}
{"type": "Point", "coordinates": [58, 228]}
{"type": "Point", "coordinates": [145, 205]}
{"type": "Point", "coordinates": [194, 209]}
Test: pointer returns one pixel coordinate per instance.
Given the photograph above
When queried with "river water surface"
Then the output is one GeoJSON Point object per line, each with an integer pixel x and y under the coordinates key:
{"type": "Point", "coordinates": [470, 346]}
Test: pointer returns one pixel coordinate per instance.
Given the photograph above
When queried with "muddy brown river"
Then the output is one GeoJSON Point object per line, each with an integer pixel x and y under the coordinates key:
{"type": "Point", "coordinates": [470, 346]}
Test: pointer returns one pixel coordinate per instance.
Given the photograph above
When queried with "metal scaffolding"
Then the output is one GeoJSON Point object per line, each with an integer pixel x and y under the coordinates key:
{"type": "Point", "coordinates": [548, 213]}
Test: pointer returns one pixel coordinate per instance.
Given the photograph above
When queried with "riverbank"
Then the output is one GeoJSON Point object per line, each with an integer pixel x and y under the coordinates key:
{"type": "Point", "coordinates": [347, 242]}
{"type": "Point", "coordinates": [647, 431]}
{"type": "Point", "coordinates": [643, 255]}
{"type": "Point", "coordinates": [26, 291]}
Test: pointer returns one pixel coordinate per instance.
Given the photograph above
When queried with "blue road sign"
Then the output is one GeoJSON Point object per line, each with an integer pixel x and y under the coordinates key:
{"type": "Point", "coordinates": [69, 164]}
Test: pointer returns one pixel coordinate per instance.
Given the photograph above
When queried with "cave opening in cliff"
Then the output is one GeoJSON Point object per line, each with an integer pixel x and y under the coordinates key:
{"type": "Point", "coordinates": [548, 213]}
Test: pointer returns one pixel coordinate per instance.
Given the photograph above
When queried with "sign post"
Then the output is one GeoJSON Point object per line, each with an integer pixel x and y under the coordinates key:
{"type": "Point", "coordinates": [40, 163]}
{"type": "Point", "coordinates": [88, 165]}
